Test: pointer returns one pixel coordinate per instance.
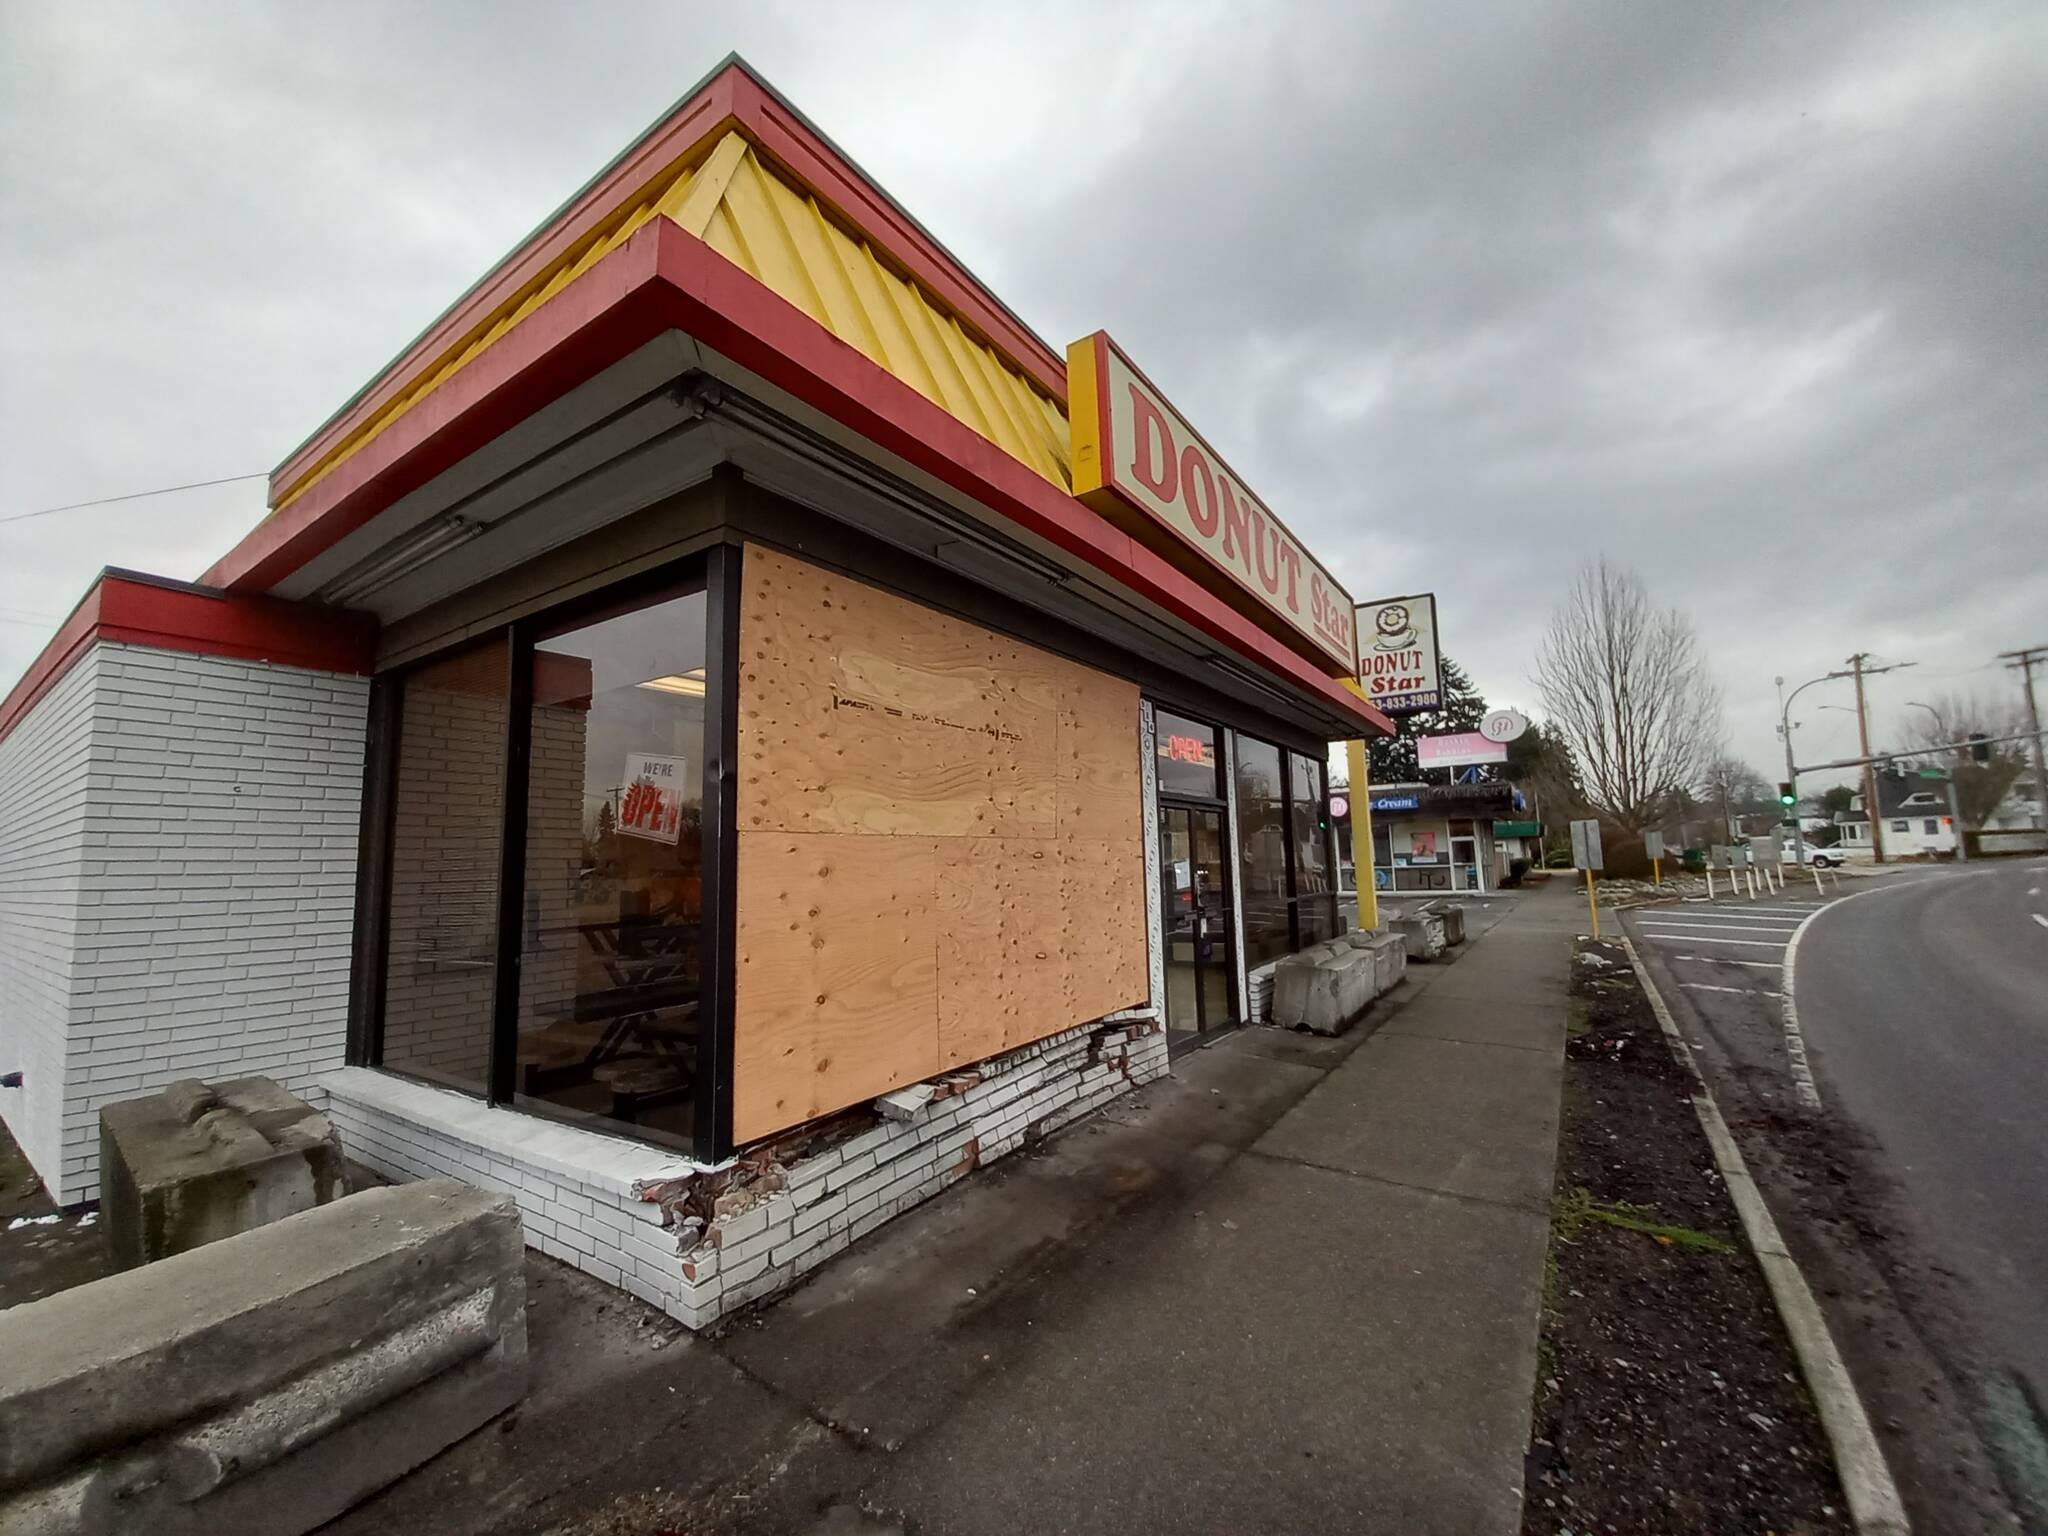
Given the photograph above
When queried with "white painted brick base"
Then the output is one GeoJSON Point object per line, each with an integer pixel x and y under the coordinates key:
{"type": "Point", "coordinates": [597, 1202]}
{"type": "Point", "coordinates": [1259, 984]}
{"type": "Point", "coordinates": [575, 1188]}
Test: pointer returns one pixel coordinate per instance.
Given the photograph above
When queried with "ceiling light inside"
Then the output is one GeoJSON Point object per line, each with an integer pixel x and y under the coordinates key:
{"type": "Point", "coordinates": [690, 683]}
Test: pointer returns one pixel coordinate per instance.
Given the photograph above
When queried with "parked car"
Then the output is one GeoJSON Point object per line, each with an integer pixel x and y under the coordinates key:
{"type": "Point", "coordinates": [1825, 858]}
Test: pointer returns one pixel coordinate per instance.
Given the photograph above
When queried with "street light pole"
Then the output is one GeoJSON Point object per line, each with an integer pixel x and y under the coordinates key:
{"type": "Point", "coordinates": [1791, 770]}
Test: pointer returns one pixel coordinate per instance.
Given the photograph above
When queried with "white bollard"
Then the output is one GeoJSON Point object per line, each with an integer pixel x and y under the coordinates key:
{"type": "Point", "coordinates": [1816, 880]}
{"type": "Point", "coordinates": [1710, 882]}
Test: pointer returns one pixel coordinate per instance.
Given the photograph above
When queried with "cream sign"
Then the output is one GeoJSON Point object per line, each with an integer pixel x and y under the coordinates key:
{"type": "Point", "coordinates": [1134, 453]}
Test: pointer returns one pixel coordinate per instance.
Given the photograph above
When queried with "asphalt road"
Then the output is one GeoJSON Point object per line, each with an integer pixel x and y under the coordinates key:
{"type": "Point", "coordinates": [1909, 1170]}
{"type": "Point", "coordinates": [1925, 1010]}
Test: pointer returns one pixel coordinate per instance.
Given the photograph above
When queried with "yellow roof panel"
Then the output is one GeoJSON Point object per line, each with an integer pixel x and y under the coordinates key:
{"type": "Point", "coordinates": [764, 222]}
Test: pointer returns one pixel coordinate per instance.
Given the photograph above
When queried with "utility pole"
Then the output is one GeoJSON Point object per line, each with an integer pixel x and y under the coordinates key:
{"type": "Point", "coordinates": [2022, 662]}
{"type": "Point", "coordinates": [1870, 806]}
{"type": "Point", "coordinates": [1859, 671]}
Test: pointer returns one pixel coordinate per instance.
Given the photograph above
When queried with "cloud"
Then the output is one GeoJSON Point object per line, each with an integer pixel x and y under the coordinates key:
{"type": "Point", "coordinates": [1748, 298]}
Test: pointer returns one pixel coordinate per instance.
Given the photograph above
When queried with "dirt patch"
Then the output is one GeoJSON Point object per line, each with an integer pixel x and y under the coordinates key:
{"type": "Point", "coordinates": [1667, 1398]}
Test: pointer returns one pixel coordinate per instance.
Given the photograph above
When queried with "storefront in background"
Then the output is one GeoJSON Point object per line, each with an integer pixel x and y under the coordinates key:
{"type": "Point", "coordinates": [1434, 838]}
{"type": "Point", "coordinates": [728, 711]}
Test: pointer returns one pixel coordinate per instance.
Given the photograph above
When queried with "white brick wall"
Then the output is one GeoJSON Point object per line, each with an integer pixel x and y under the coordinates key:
{"type": "Point", "coordinates": [574, 1187]}
{"type": "Point", "coordinates": [215, 881]}
{"type": "Point", "coordinates": [577, 1190]}
{"type": "Point", "coordinates": [43, 792]}
{"type": "Point", "coordinates": [838, 1196]}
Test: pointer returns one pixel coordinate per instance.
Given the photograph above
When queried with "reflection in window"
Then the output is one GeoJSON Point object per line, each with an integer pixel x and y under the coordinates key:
{"type": "Point", "coordinates": [1262, 845]}
{"type": "Point", "coordinates": [613, 911]}
{"type": "Point", "coordinates": [1315, 902]}
{"type": "Point", "coordinates": [1286, 880]}
{"type": "Point", "coordinates": [447, 820]}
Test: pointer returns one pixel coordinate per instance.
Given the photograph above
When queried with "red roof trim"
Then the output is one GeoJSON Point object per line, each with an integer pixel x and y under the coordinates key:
{"type": "Point", "coordinates": [121, 610]}
{"type": "Point", "coordinates": [70, 642]}
{"type": "Point", "coordinates": [663, 278]}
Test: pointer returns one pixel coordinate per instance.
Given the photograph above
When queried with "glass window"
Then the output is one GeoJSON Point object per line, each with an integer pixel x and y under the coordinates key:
{"type": "Point", "coordinates": [447, 822]}
{"type": "Point", "coordinates": [1262, 851]}
{"type": "Point", "coordinates": [1315, 889]}
{"type": "Point", "coordinates": [1382, 845]}
{"type": "Point", "coordinates": [1308, 811]}
{"type": "Point", "coordinates": [1187, 757]}
{"type": "Point", "coordinates": [1899, 825]}
{"type": "Point", "coordinates": [613, 905]}
{"type": "Point", "coordinates": [1930, 825]}
{"type": "Point", "coordinates": [1286, 884]}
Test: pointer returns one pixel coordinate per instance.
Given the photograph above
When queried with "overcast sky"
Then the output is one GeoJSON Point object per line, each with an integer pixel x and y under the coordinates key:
{"type": "Point", "coordinates": [1752, 298]}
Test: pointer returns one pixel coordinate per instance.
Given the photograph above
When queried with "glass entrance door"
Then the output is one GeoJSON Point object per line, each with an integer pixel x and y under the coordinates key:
{"type": "Point", "coordinates": [1200, 988]}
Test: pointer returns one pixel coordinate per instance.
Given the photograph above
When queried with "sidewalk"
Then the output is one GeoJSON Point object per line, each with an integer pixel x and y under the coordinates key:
{"type": "Point", "coordinates": [1295, 1287]}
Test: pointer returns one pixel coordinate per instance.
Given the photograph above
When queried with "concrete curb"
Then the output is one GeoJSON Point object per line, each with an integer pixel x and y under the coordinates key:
{"type": "Point", "coordinates": [1795, 1042]}
{"type": "Point", "coordinates": [1874, 1502]}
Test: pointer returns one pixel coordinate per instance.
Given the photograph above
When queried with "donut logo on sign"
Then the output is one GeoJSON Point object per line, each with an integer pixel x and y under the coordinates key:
{"type": "Point", "coordinates": [1503, 725]}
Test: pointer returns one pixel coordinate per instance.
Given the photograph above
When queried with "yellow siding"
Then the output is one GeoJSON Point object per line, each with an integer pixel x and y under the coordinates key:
{"type": "Point", "coordinates": [776, 231]}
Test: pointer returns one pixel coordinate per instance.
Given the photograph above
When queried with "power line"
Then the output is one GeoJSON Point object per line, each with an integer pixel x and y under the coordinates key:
{"type": "Point", "coordinates": [107, 501]}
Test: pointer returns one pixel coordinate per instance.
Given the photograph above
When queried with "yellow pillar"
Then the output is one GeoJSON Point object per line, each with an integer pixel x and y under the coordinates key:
{"type": "Point", "coordinates": [1361, 825]}
{"type": "Point", "coordinates": [1361, 836]}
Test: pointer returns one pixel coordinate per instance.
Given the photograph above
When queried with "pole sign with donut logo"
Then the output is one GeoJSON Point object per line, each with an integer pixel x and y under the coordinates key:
{"type": "Point", "coordinates": [1399, 665]}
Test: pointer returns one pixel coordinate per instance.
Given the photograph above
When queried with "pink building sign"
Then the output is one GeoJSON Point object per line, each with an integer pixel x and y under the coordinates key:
{"type": "Point", "coordinates": [1458, 750]}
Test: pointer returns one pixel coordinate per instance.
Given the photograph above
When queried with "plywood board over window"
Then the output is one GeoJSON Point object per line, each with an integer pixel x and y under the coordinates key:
{"type": "Point", "coordinates": [941, 847]}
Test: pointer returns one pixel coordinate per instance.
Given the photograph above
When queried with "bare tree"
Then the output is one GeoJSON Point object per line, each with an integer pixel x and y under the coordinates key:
{"type": "Point", "coordinates": [1735, 790]}
{"type": "Point", "coordinates": [1627, 688]}
{"type": "Point", "coordinates": [1947, 717]}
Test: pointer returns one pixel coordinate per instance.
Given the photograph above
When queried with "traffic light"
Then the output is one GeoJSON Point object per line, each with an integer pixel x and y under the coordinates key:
{"type": "Point", "coordinates": [1980, 747]}
{"type": "Point", "coordinates": [1786, 796]}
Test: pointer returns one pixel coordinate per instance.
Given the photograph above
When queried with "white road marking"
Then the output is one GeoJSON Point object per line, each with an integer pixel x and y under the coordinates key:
{"type": "Point", "coordinates": [1702, 986]}
{"type": "Point", "coordinates": [1761, 965]}
{"type": "Point", "coordinates": [1745, 943]}
{"type": "Point", "coordinates": [2037, 917]}
{"type": "Point", "coordinates": [1737, 924]}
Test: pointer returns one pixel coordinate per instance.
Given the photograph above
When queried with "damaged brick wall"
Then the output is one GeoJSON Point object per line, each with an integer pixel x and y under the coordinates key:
{"type": "Point", "coordinates": [788, 1205]}
{"type": "Point", "coordinates": [698, 1242]}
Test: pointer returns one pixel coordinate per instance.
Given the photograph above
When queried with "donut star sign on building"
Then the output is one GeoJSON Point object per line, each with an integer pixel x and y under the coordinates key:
{"type": "Point", "coordinates": [1138, 462]}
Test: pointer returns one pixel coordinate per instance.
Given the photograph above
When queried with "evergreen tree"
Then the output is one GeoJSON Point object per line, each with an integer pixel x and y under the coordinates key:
{"type": "Point", "coordinates": [1393, 757]}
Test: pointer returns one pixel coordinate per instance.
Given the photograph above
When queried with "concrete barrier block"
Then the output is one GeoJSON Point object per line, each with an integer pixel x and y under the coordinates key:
{"type": "Point", "coordinates": [1390, 960]}
{"type": "Point", "coordinates": [198, 1162]}
{"type": "Point", "coordinates": [1422, 935]}
{"type": "Point", "coordinates": [1452, 916]}
{"type": "Point", "coordinates": [1324, 994]}
{"type": "Point", "coordinates": [268, 1381]}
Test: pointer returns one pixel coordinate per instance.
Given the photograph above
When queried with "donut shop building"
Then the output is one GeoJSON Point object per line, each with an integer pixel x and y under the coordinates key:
{"type": "Point", "coordinates": [726, 734]}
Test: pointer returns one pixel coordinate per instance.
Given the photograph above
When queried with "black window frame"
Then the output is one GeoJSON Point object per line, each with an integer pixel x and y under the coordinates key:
{"type": "Point", "coordinates": [716, 572]}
